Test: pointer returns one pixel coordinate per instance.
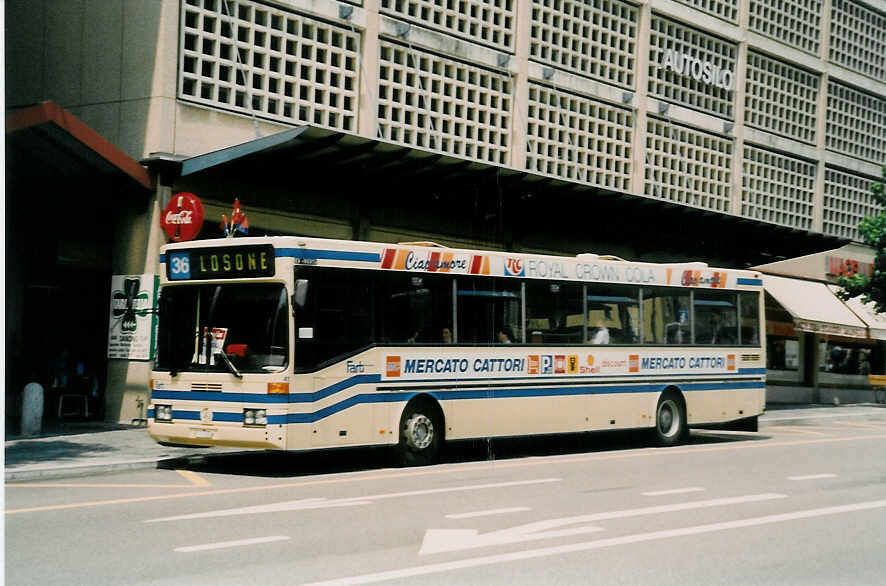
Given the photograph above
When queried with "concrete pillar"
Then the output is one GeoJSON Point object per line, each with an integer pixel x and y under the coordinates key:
{"type": "Point", "coordinates": [738, 97]}
{"type": "Point", "coordinates": [640, 102]}
{"type": "Point", "coordinates": [367, 124]}
{"type": "Point", "coordinates": [520, 101]}
{"type": "Point", "coordinates": [138, 252]}
{"type": "Point", "coordinates": [821, 118]}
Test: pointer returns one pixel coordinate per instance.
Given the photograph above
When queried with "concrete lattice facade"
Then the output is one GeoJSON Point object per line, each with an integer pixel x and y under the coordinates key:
{"type": "Point", "coordinates": [584, 90]}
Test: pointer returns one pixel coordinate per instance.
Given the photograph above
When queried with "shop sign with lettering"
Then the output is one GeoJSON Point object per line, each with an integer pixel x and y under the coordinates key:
{"type": "Point", "coordinates": [835, 265]}
{"type": "Point", "coordinates": [133, 317]}
{"type": "Point", "coordinates": [183, 217]}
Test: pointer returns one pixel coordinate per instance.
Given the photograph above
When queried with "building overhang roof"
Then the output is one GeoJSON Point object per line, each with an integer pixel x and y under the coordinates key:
{"type": "Point", "coordinates": [46, 142]}
{"type": "Point", "coordinates": [364, 163]}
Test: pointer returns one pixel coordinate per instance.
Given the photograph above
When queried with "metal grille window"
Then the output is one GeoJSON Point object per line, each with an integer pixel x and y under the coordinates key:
{"type": "Point", "coordinates": [594, 38]}
{"type": "Point", "coordinates": [856, 123]}
{"type": "Point", "coordinates": [691, 68]}
{"type": "Point", "coordinates": [578, 138]}
{"type": "Point", "coordinates": [490, 22]}
{"type": "Point", "coordinates": [255, 59]}
{"type": "Point", "coordinates": [688, 166]}
{"type": "Point", "coordinates": [858, 38]}
{"type": "Point", "coordinates": [793, 22]}
{"type": "Point", "coordinates": [781, 98]}
{"type": "Point", "coordinates": [429, 101]}
{"type": "Point", "coordinates": [847, 199]}
{"type": "Point", "coordinates": [725, 9]}
{"type": "Point", "coordinates": [777, 188]}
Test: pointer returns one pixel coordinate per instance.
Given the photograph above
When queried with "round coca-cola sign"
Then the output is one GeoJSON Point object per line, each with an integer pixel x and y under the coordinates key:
{"type": "Point", "coordinates": [183, 217]}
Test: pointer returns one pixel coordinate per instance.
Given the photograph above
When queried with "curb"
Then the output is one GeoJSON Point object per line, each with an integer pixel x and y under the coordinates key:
{"type": "Point", "coordinates": [76, 471]}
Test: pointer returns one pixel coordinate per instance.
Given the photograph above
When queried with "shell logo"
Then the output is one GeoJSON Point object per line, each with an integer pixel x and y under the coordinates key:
{"type": "Point", "coordinates": [590, 360]}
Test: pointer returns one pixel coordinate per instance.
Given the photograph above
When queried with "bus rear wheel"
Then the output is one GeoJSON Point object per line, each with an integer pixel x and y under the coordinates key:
{"type": "Point", "coordinates": [670, 420]}
{"type": "Point", "coordinates": [421, 431]}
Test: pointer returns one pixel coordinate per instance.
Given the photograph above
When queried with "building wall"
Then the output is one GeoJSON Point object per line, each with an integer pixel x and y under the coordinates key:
{"type": "Point", "coordinates": [576, 89]}
{"type": "Point", "coordinates": [579, 90]}
{"type": "Point", "coordinates": [779, 117]}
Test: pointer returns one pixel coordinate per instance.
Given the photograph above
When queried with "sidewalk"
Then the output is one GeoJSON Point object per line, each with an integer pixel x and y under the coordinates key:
{"type": "Point", "coordinates": [91, 448]}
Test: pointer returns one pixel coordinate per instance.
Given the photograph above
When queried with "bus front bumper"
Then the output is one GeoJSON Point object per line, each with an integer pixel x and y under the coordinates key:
{"type": "Point", "coordinates": [196, 433]}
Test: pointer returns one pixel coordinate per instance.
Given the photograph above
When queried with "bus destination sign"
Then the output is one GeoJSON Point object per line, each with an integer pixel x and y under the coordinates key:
{"type": "Point", "coordinates": [226, 262]}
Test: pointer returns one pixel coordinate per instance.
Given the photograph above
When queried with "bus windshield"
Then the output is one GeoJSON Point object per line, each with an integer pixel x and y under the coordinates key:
{"type": "Point", "coordinates": [247, 323]}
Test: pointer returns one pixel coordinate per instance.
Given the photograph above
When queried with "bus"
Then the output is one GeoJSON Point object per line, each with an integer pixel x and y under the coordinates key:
{"type": "Point", "coordinates": [292, 343]}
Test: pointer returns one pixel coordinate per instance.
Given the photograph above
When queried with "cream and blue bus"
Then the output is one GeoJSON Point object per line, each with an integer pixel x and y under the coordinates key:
{"type": "Point", "coordinates": [293, 343]}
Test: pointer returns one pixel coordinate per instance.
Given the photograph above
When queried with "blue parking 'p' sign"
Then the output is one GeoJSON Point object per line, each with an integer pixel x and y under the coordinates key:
{"type": "Point", "coordinates": [179, 266]}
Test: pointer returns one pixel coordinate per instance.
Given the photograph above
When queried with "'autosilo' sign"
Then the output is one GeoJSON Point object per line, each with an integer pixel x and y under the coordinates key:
{"type": "Point", "coordinates": [703, 71]}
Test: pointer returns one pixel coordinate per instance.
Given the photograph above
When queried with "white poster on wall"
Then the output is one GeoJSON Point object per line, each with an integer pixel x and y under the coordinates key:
{"type": "Point", "coordinates": [133, 318]}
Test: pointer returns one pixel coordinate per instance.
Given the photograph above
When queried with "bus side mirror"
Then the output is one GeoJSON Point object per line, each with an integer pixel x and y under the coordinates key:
{"type": "Point", "coordinates": [300, 297]}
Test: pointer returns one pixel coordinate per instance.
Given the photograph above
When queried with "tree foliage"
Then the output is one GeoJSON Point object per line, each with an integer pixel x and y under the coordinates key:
{"type": "Point", "coordinates": [873, 231]}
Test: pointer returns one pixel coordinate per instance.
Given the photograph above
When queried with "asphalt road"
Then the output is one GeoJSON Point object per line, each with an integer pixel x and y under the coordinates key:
{"type": "Point", "coordinates": [801, 502]}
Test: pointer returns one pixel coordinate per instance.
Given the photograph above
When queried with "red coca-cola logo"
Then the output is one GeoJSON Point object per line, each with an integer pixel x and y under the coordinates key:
{"type": "Point", "coordinates": [183, 217]}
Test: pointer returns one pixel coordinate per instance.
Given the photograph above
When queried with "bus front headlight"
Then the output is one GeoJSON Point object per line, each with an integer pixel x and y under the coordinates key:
{"type": "Point", "coordinates": [163, 413]}
{"type": "Point", "coordinates": [255, 417]}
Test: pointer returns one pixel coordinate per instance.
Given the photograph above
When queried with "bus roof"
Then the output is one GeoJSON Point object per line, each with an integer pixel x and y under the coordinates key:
{"type": "Point", "coordinates": [427, 257]}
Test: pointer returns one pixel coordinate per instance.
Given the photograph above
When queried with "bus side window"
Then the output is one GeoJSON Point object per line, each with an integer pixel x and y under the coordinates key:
{"type": "Point", "coordinates": [716, 317]}
{"type": "Point", "coordinates": [666, 317]}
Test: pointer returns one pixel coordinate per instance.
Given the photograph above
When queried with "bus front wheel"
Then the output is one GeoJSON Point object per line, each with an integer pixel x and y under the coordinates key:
{"type": "Point", "coordinates": [421, 430]}
{"type": "Point", "coordinates": [670, 420]}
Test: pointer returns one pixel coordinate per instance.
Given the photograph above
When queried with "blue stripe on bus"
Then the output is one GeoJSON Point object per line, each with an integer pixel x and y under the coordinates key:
{"type": "Point", "coordinates": [359, 379]}
{"type": "Point", "coordinates": [312, 253]}
{"type": "Point", "coordinates": [751, 371]}
{"type": "Point", "coordinates": [468, 394]}
{"type": "Point", "coordinates": [754, 282]}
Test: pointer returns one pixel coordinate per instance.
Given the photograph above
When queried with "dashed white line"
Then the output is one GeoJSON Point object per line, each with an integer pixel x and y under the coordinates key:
{"type": "Point", "coordinates": [488, 513]}
{"type": "Point", "coordinates": [812, 477]}
{"type": "Point", "coordinates": [225, 544]}
{"type": "Point", "coordinates": [674, 491]}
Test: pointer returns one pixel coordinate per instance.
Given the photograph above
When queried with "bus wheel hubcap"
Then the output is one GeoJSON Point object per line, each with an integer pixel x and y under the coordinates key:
{"type": "Point", "coordinates": [668, 420]}
{"type": "Point", "coordinates": [419, 431]}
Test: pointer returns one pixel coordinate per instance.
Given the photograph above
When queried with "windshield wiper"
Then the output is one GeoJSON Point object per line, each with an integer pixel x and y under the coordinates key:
{"type": "Point", "coordinates": [222, 357]}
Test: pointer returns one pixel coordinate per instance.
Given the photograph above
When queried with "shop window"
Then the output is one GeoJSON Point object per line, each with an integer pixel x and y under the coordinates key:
{"type": "Point", "coordinates": [841, 357]}
{"type": "Point", "coordinates": [554, 313]}
{"type": "Point", "coordinates": [613, 314]}
{"type": "Point", "coordinates": [666, 317]}
{"type": "Point", "coordinates": [782, 353]}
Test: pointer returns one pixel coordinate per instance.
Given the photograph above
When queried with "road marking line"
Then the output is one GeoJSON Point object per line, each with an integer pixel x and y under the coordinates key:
{"type": "Point", "coordinates": [767, 419]}
{"type": "Point", "coordinates": [593, 545]}
{"type": "Point", "coordinates": [323, 503]}
{"type": "Point", "coordinates": [674, 491]}
{"type": "Point", "coordinates": [447, 540]}
{"type": "Point", "coordinates": [89, 485]}
{"type": "Point", "coordinates": [488, 513]}
{"type": "Point", "coordinates": [224, 544]}
{"type": "Point", "coordinates": [786, 429]}
{"type": "Point", "coordinates": [194, 478]}
{"type": "Point", "coordinates": [857, 424]}
{"type": "Point", "coordinates": [462, 468]}
{"type": "Point", "coordinates": [812, 477]}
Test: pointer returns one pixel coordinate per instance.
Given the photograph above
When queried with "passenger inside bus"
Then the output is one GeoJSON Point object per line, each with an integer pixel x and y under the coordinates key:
{"type": "Point", "coordinates": [601, 334]}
